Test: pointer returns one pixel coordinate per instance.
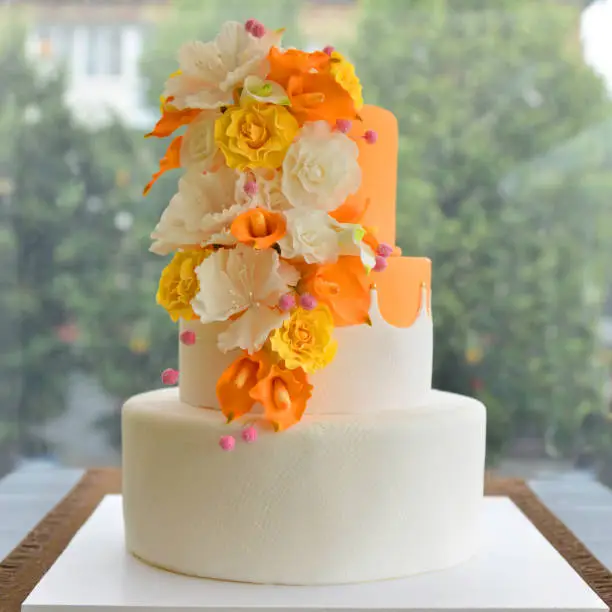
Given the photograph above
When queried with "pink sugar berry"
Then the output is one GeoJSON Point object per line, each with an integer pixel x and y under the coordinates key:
{"type": "Point", "coordinates": [249, 434]}
{"type": "Point", "coordinates": [370, 136]}
{"type": "Point", "coordinates": [286, 302]}
{"type": "Point", "coordinates": [307, 301]}
{"type": "Point", "coordinates": [188, 337]}
{"type": "Point", "coordinates": [257, 29]}
{"type": "Point", "coordinates": [384, 250]}
{"type": "Point", "coordinates": [344, 125]}
{"type": "Point", "coordinates": [248, 26]}
{"type": "Point", "coordinates": [381, 263]}
{"type": "Point", "coordinates": [170, 376]}
{"type": "Point", "coordinates": [250, 188]}
{"type": "Point", "coordinates": [227, 443]}
{"type": "Point", "coordinates": [328, 50]}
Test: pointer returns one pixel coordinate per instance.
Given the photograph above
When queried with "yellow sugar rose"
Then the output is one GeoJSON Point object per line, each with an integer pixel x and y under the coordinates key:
{"type": "Point", "coordinates": [179, 284]}
{"type": "Point", "coordinates": [344, 73]}
{"type": "Point", "coordinates": [305, 339]}
{"type": "Point", "coordinates": [255, 135]}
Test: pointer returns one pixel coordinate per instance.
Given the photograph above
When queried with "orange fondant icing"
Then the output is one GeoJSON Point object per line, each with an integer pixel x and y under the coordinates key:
{"type": "Point", "coordinates": [378, 163]}
{"type": "Point", "coordinates": [399, 289]}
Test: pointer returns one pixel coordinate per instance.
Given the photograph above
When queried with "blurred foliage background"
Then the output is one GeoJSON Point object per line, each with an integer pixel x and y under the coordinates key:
{"type": "Point", "coordinates": [504, 181]}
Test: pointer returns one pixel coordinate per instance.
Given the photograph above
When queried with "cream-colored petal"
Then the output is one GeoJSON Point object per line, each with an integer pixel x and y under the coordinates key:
{"type": "Point", "coordinates": [251, 330]}
{"type": "Point", "coordinates": [201, 59]}
{"type": "Point", "coordinates": [175, 228]}
{"type": "Point", "coordinates": [270, 279]}
{"type": "Point", "coordinates": [199, 151]}
{"type": "Point", "coordinates": [215, 223]}
{"type": "Point", "coordinates": [224, 238]}
{"type": "Point", "coordinates": [241, 54]}
{"type": "Point", "coordinates": [289, 275]}
{"type": "Point", "coordinates": [206, 193]}
{"type": "Point", "coordinates": [219, 297]}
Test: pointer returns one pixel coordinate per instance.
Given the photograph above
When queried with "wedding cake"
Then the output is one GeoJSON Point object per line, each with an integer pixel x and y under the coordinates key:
{"type": "Point", "coordinates": [300, 441]}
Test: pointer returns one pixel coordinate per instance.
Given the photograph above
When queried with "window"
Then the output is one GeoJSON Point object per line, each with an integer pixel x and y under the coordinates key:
{"type": "Point", "coordinates": [104, 51]}
{"type": "Point", "coordinates": [55, 42]}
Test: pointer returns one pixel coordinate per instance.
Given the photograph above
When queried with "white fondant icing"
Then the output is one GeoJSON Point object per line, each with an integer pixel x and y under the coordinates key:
{"type": "Point", "coordinates": [381, 367]}
{"type": "Point", "coordinates": [335, 499]}
{"type": "Point", "coordinates": [373, 364]}
{"type": "Point", "coordinates": [202, 363]}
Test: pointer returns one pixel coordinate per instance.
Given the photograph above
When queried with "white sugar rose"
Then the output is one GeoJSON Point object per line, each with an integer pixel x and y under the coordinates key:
{"type": "Point", "coordinates": [245, 282]}
{"type": "Point", "coordinates": [310, 235]}
{"type": "Point", "coordinates": [210, 71]}
{"type": "Point", "coordinates": [203, 207]}
{"type": "Point", "coordinates": [320, 169]}
{"type": "Point", "coordinates": [199, 151]}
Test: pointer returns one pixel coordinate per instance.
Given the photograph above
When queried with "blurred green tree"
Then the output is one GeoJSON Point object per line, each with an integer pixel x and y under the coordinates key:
{"type": "Point", "coordinates": [504, 183]}
{"type": "Point", "coordinates": [63, 192]}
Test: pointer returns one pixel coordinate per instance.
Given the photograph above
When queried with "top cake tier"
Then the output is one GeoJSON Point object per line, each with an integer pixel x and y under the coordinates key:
{"type": "Point", "coordinates": [378, 170]}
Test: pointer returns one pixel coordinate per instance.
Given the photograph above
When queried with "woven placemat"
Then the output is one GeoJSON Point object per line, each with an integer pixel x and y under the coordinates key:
{"type": "Point", "coordinates": [25, 566]}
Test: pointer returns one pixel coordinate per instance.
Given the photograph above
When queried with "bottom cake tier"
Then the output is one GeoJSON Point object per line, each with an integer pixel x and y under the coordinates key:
{"type": "Point", "coordinates": [335, 499]}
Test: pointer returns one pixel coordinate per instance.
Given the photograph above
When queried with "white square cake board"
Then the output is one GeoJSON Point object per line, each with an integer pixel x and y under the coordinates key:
{"type": "Point", "coordinates": [517, 569]}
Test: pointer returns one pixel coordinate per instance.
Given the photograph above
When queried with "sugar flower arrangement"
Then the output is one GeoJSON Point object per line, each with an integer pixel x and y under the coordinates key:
{"type": "Point", "coordinates": [263, 236]}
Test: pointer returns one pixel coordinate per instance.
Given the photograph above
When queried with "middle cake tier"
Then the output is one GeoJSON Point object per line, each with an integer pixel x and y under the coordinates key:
{"type": "Point", "coordinates": [391, 359]}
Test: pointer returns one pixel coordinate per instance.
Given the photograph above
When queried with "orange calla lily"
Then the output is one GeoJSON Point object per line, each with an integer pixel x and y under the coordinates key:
{"type": "Point", "coordinates": [172, 119]}
{"type": "Point", "coordinates": [352, 210]}
{"type": "Point", "coordinates": [259, 227]}
{"type": "Point", "coordinates": [343, 286]}
{"type": "Point", "coordinates": [318, 96]}
{"type": "Point", "coordinates": [284, 64]}
{"type": "Point", "coordinates": [236, 383]}
{"type": "Point", "coordinates": [170, 161]}
{"type": "Point", "coordinates": [284, 395]}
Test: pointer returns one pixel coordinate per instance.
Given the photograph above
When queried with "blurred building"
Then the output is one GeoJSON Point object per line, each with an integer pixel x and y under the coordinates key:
{"type": "Point", "coordinates": [99, 44]}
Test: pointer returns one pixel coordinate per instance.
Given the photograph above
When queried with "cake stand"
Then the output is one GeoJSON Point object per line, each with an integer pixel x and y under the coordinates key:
{"type": "Point", "coordinates": [516, 570]}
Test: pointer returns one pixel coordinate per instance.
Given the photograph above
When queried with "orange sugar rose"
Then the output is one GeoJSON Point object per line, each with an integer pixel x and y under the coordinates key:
{"type": "Point", "coordinates": [283, 394]}
{"type": "Point", "coordinates": [318, 96]}
{"type": "Point", "coordinates": [259, 228]}
{"type": "Point", "coordinates": [284, 64]}
{"type": "Point", "coordinates": [237, 381]}
{"type": "Point", "coordinates": [343, 286]}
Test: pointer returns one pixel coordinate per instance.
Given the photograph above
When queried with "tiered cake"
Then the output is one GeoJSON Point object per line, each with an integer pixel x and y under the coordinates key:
{"type": "Point", "coordinates": [304, 444]}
